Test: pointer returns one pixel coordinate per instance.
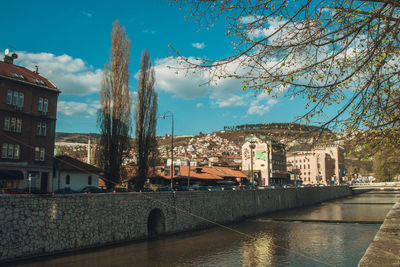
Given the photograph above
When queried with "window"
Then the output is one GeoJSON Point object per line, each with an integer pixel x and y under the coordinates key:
{"type": "Point", "coordinates": [21, 100]}
{"type": "Point", "coordinates": [41, 129]}
{"type": "Point", "coordinates": [40, 105]}
{"type": "Point", "coordinates": [43, 104]}
{"type": "Point", "coordinates": [42, 152]}
{"type": "Point", "coordinates": [4, 151]}
{"type": "Point", "coordinates": [12, 124]}
{"type": "Point", "coordinates": [67, 179]}
{"type": "Point", "coordinates": [16, 151]}
{"type": "Point", "coordinates": [10, 151]}
{"type": "Point", "coordinates": [39, 81]}
{"type": "Point", "coordinates": [17, 75]}
{"type": "Point", "coordinates": [19, 125]}
{"type": "Point", "coordinates": [6, 126]}
{"type": "Point", "coordinates": [44, 128]}
{"type": "Point", "coordinates": [9, 97]}
{"type": "Point", "coordinates": [89, 180]}
{"type": "Point", "coordinates": [15, 98]}
{"type": "Point", "coordinates": [39, 153]}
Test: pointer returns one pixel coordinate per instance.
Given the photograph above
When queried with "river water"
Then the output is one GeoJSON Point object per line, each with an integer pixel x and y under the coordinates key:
{"type": "Point", "coordinates": [333, 233]}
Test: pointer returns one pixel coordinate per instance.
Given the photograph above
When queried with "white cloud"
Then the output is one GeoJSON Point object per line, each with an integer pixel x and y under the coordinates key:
{"type": "Point", "coordinates": [261, 104]}
{"type": "Point", "coordinates": [87, 14]}
{"type": "Point", "coordinates": [71, 75]}
{"type": "Point", "coordinates": [248, 19]}
{"type": "Point", "coordinates": [172, 79]}
{"type": "Point", "coordinates": [199, 105]}
{"type": "Point", "coordinates": [149, 31]}
{"type": "Point", "coordinates": [72, 108]}
{"type": "Point", "coordinates": [199, 45]}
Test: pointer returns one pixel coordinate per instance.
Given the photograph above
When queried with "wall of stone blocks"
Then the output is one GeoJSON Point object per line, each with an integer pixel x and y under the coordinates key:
{"type": "Point", "coordinates": [32, 225]}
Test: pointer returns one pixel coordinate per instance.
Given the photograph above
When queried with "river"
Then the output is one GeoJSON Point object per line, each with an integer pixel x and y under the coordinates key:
{"type": "Point", "coordinates": [333, 233]}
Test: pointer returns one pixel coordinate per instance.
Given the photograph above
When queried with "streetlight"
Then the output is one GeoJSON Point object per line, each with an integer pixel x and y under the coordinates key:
{"type": "Point", "coordinates": [166, 115]}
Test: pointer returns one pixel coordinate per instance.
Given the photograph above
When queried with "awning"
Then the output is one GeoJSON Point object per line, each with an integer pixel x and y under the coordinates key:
{"type": "Point", "coordinates": [11, 175]}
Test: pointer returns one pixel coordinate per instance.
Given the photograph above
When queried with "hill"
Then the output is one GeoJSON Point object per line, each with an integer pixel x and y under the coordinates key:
{"type": "Point", "coordinates": [294, 136]}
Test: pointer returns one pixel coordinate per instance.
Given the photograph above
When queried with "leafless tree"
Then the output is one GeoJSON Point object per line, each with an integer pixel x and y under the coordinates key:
{"type": "Point", "coordinates": [114, 115]}
{"type": "Point", "coordinates": [343, 54]}
{"type": "Point", "coordinates": [145, 120]}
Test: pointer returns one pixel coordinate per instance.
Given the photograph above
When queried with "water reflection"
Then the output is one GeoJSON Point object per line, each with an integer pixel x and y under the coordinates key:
{"type": "Point", "coordinates": [262, 242]}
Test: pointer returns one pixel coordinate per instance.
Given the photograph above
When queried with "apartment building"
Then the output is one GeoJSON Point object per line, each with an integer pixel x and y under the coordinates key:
{"type": "Point", "coordinates": [265, 161]}
{"type": "Point", "coordinates": [28, 109]}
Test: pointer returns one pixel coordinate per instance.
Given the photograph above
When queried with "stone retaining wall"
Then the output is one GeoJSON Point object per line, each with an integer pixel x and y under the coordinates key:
{"type": "Point", "coordinates": [384, 250]}
{"type": "Point", "coordinates": [35, 225]}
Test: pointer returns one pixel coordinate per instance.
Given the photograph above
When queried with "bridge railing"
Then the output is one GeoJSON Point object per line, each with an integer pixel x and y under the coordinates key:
{"type": "Point", "coordinates": [388, 184]}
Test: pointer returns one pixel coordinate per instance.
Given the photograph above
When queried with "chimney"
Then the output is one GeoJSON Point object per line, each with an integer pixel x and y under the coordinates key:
{"type": "Point", "coordinates": [7, 59]}
{"type": "Point", "coordinates": [37, 72]}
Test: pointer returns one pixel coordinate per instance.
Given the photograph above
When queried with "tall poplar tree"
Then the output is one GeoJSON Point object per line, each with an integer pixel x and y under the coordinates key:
{"type": "Point", "coordinates": [146, 120]}
{"type": "Point", "coordinates": [114, 115]}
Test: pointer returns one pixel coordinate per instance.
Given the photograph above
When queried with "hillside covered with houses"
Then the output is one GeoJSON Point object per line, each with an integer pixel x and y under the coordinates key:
{"type": "Point", "coordinates": [223, 148]}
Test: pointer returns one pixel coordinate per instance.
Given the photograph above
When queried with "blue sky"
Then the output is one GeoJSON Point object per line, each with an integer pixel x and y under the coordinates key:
{"type": "Point", "coordinates": [70, 42]}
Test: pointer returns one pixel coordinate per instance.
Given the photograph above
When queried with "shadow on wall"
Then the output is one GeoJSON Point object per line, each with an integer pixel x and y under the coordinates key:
{"type": "Point", "coordinates": [155, 223]}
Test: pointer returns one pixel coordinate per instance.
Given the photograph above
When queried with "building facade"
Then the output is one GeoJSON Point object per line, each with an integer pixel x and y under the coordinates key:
{"type": "Point", "coordinates": [73, 174]}
{"type": "Point", "coordinates": [28, 108]}
{"type": "Point", "coordinates": [265, 161]}
{"type": "Point", "coordinates": [320, 165]}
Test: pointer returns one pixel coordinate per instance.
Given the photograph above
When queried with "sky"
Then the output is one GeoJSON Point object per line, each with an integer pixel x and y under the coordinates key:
{"type": "Point", "coordinates": [70, 42]}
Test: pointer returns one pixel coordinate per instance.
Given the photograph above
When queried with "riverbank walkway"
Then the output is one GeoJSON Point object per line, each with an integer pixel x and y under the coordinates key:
{"type": "Point", "coordinates": [385, 248]}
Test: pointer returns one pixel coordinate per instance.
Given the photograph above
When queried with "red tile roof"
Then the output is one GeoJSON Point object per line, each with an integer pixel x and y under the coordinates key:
{"type": "Point", "coordinates": [212, 173]}
{"type": "Point", "coordinates": [205, 173]}
{"type": "Point", "coordinates": [7, 70]}
{"type": "Point", "coordinates": [66, 163]}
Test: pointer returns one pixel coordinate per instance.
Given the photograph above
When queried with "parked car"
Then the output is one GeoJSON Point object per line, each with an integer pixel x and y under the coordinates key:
{"type": "Point", "coordinates": [93, 189]}
{"type": "Point", "coordinates": [65, 191]}
{"type": "Point", "coordinates": [230, 187]}
{"type": "Point", "coordinates": [119, 190]}
{"type": "Point", "coordinates": [14, 191]}
{"type": "Point", "coordinates": [146, 189]}
{"type": "Point", "coordinates": [214, 188]}
{"type": "Point", "coordinates": [180, 188]}
{"type": "Point", "coordinates": [196, 187]}
{"type": "Point", "coordinates": [165, 188]}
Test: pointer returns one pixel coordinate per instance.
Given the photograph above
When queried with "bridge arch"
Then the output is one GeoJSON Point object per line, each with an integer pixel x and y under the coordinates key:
{"type": "Point", "coordinates": [155, 223]}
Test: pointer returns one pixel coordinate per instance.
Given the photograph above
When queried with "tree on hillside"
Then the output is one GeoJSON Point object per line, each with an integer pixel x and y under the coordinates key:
{"type": "Point", "coordinates": [330, 52]}
{"type": "Point", "coordinates": [114, 115]}
{"type": "Point", "coordinates": [145, 120]}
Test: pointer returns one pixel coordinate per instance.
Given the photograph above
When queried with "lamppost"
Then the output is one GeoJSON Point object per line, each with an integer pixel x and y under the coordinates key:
{"type": "Point", "coordinates": [166, 115]}
{"type": "Point", "coordinates": [188, 186]}
{"type": "Point", "coordinates": [252, 146]}
{"type": "Point", "coordinates": [30, 180]}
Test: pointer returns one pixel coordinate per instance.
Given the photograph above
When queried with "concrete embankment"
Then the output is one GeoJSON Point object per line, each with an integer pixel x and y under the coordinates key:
{"type": "Point", "coordinates": [42, 225]}
{"type": "Point", "coordinates": [385, 248]}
